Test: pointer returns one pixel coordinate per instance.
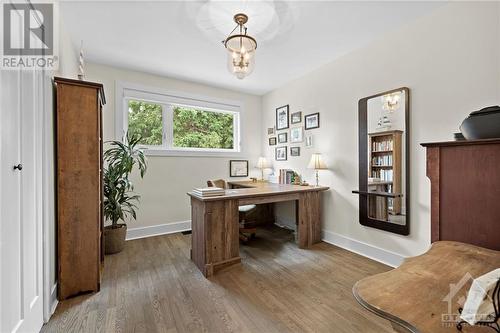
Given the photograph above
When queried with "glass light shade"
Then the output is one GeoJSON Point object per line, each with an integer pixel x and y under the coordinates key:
{"type": "Point", "coordinates": [241, 55]}
{"type": "Point", "coordinates": [316, 162]}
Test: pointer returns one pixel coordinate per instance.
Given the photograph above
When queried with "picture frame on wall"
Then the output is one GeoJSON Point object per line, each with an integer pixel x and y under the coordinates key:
{"type": "Point", "coordinates": [282, 117]}
{"type": "Point", "coordinates": [296, 117]}
{"type": "Point", "coordinates": [280, 153]}
{"type": "Point", "coordinates": [311, 121]}
{"type": "Point", "coordinates": [282, 137]}
{"type": "Point", "coordinates": [272, 141]}
{"type": "Point", "coordinates": [238, 168]}
{"type": "Point", "coordinates": [294, 151]}
{"type": "Point", "coordinates": [309, 141]}
{"type": "Point", "coordinates": [270, 130]}
{"type": "Point", "coordinates": [296, 135]}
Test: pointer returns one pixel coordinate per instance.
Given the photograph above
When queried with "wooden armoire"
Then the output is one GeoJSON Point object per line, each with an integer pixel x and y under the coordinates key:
{"type": "Point", "coordinates": [465, 191]}
{"type": "Point", "coordinates": [79, 186]}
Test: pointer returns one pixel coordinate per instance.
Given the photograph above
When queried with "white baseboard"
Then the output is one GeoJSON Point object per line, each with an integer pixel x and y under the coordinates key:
{"type": "Point", "coordinates": [366, 250]}
{"type": "Point", "coordinates": [157, 230]}
{"type": "Point", "coordinates": [53, 299]}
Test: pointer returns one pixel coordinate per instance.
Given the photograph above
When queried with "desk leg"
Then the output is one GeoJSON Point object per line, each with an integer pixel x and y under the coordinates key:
{"type": "Point", "coordinates": [215, 238]}
{"type": "Point", "coordinates": [309, 219]}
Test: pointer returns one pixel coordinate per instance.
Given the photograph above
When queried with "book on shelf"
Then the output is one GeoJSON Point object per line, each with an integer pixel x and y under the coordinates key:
{"type": "Point", "coordinates": [381, 146]}
{"type": "Point", "coordinates": [209, 191]}
{"type": "Point", "coordinates": [384, 175]}
{"type": "Point", "coordinates": [385, 160]}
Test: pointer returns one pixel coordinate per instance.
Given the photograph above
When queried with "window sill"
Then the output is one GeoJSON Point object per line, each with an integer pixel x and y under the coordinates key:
{"type": "Point", "coordinates": [191, 153]}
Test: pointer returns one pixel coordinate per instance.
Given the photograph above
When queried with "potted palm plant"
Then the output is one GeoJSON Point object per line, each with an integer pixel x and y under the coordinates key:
{"type": "Point", "coordinates": [119, 197]}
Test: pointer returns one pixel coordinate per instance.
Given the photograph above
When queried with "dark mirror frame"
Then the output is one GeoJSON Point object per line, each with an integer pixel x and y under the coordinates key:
{"type": "Point", "coordinates": [364, 219]}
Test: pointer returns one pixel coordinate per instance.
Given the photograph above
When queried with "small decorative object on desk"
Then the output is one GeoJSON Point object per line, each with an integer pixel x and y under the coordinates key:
{"type": "Point", "coordinates": [253, 179]}
{"type": "Point", "coordinates": [81, 64]}
{"type": "Point", "coordinates": [482, 306]}
{"type": "Point", "coordinates": [297, 180]}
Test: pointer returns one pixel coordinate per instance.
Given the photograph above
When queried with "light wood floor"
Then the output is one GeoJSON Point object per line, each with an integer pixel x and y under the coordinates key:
{"type": "Point", "coordinates": [153, 287]}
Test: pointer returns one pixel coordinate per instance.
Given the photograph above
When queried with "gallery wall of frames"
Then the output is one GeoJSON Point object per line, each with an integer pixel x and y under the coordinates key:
{"type": "Point", "coordinates": [292, 132]}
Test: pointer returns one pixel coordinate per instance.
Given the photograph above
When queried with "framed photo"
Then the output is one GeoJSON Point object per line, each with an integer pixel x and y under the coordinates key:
{"type": "Point", "coordinates": [296, 117]}
{"type": "Point", "coordinates": [282, 119]}
{"type": "Point", "coordinates": [282, 137]}
{"type": "Point", "coordinates": [280, 153]}
{"type": "Point", "coordinates": [294, 151]}
{"type": "Point", "coordinates": [309, 141]}
{"type": "Point", "coordinates": [296, 134]}
{"type": "Point", "coordinates": [238, 168]}
{"type": "Point", "coordinates": [311, 121]}
{"type": "Point", "coordinates": [270, 130]}
{"type": "Point", "coordinates": [272, 141]}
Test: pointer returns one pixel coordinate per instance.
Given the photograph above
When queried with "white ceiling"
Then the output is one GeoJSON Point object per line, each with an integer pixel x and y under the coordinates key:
{"type": "Point", "coordinates": [182, 39]}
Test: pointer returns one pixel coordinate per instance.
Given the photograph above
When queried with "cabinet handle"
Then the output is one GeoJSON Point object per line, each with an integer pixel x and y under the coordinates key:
{"type": "Point", "coordinates": [18, 167]}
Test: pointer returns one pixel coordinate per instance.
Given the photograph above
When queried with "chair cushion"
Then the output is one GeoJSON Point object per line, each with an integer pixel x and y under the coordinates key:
{"type": "Point", "coordinates": [246, 208]}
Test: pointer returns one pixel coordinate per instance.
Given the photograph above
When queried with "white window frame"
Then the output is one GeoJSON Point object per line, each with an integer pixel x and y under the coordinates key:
{"type": "Point", "coordinates": [125, 92]}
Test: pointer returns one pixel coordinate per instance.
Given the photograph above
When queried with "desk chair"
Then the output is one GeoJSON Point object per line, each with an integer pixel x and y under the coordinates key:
{"type": "Point", "coordinates": [247, 228]}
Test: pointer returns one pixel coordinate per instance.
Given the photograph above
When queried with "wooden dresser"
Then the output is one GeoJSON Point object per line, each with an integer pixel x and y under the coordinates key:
{"type": "Point", "coordinates": [465, 191]}
{"type": "Point", "coordinates": [79, 186]}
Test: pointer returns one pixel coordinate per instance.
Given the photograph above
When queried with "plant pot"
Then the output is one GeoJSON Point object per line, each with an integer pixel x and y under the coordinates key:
{"type": "Point", "coordinates": [114, 238]}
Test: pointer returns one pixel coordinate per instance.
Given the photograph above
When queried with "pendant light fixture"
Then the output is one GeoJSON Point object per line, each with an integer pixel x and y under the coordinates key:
{"type": "Point", "coordinates": [241, 48]}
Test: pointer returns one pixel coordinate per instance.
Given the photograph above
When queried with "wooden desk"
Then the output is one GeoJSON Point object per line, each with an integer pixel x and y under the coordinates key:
{"type": "Point", "coordinates": [215, 220]}
{"type": "Point", "coordinates": [413, 296]}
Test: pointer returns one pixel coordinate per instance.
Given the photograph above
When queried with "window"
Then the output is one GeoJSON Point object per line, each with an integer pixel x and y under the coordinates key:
{"type": "Point", "coordinates": [146, 120]}
{"type": "Point", "coordinates": [172, 124]}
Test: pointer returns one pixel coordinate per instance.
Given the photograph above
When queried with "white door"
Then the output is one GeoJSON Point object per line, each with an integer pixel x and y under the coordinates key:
{"type": "Point", "coordinates": [21, 293]}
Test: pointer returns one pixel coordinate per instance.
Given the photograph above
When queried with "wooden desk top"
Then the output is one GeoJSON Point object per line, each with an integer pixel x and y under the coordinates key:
{"type": "Point", "coordinates": [414, 294]}
{"type": "Point", "coordinates": [258, 189]}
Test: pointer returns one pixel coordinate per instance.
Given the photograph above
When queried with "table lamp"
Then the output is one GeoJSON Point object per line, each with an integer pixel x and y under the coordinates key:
{"type": "Point", "coordinates": [262, 164]}
{"type": "Point", "coordinates": [317, 163]}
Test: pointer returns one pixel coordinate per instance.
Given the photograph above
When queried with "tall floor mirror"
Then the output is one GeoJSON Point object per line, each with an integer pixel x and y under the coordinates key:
{"type": "Point", "coordinates": [384, 161]}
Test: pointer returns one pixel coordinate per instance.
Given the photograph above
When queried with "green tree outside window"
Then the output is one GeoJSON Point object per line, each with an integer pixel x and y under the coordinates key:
{"type": "Point", "coordinates": [145, 121]}
{"type": "Point", "coordinates": [202, 129]}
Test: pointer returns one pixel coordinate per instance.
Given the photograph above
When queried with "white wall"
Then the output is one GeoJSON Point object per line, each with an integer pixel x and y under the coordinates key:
{"type": "Point", "coordinates": [169, 178]}
{"type": "Point", "coordinates": [449, 60]}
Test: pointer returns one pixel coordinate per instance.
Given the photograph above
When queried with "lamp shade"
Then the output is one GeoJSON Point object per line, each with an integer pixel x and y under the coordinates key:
{"type": "Point", "coordinates": [316, 162]}
{"type": "Point", "coordinates": [263, 163]}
